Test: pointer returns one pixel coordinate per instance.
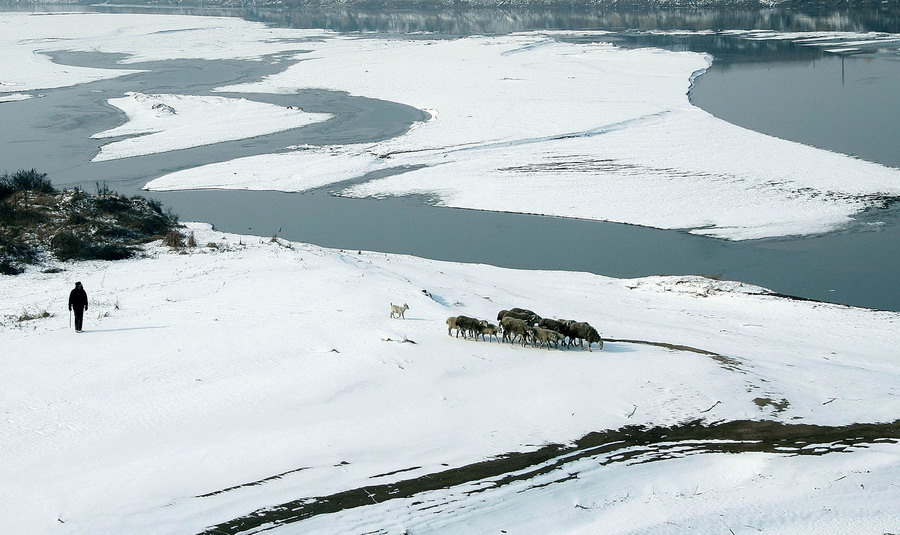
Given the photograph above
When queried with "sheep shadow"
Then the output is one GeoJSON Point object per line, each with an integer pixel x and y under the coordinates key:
{"type": "Point", "coordinates": [436, 298]}
{"type": "Point", "coordinates": [612, 347]}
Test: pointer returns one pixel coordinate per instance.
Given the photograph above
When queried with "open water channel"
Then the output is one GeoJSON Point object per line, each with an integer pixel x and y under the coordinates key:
{"type": "Point", "coordinates": [841, 103]}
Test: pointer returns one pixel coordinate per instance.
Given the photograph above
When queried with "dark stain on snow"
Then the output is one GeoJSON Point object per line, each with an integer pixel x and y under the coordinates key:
{"type": "Point", "coordinates": [777, 405]}
{"type": "Point", "coordinates": [252, 483]}
{"type": "Point", "coordinates": [410, 469]}
{"type": "Point", "coordinates": [729, 363]}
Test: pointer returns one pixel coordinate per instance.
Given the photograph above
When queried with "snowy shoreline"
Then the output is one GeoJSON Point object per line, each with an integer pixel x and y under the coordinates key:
{"type": "Point", "coordinates": [247, 357]}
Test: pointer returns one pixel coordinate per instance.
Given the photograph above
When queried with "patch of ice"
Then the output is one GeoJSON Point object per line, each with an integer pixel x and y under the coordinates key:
{"type": "Point", "coordinates": [15, 97]}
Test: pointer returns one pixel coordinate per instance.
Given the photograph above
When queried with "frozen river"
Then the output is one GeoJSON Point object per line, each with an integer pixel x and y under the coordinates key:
{"type": "Point", "coordinates": [782, 89]}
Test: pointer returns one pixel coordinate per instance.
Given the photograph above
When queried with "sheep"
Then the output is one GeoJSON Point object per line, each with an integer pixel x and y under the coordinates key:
{"type": "Point", "coordinates": [488, 329]}
{"type": "Point", "coordinates": [451, 324]}
{"type": "Point", "coordinates": [513, 327]}
{"type": "Point", "coordinates": [546, 336]}
{"type": "Point", "coordinates": [592, 336]}
{"type": "Point", "coordinates": [564, 327]}
{"type": "Point", "coordinates": [468, 326]}
{"type": "Point", "coordinates": [523, 311]}
{"type": "Point", "coordinates": [476, 330]}
{"type": "Point", "coordinates": [574, 330]}
{"type": "Point", "coordinates": [399, 310]}
{"type": "Point", "coordinates": [585, 333]}
{"type": "Point", "coordinates": [531, 319]}
{"type": "Point", "coordinates": [553, 325]}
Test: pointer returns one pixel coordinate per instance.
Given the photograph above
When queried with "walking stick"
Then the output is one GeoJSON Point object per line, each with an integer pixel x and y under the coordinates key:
{"type": "Point", "coordinates": [70, 318]}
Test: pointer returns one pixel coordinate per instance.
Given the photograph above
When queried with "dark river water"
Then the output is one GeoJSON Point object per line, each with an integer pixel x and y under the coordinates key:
{"type": "Point", "coordinates": [845, 104]}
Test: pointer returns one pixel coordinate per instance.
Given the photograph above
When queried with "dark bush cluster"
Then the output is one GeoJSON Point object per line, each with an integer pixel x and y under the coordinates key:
{"type": "Point", "coordinates": [23, 181]}
{"type": "Point", "coordinates": [14, 253]}
{"type": "Point", "coordinates": [70, 246]}
{"type": "Point", "coordinates": [37, 221]}
{"type": "Point", "coordinates": [18, 195]}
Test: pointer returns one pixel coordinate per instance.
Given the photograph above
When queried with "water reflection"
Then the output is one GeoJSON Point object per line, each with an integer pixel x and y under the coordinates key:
{"type": "Point", "coordinates": [499, 21]}
{"type": "Point", "coordinates": [459, 20]}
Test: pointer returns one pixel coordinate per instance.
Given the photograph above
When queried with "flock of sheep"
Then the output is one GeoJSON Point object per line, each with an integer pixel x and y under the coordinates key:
{"type": "Point", "coordinates": [521, 324]}
{"type": "Point", "coordinates": [527, 327]}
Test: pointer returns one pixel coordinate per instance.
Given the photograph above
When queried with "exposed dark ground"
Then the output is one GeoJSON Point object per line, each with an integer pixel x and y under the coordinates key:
{"type": "Point", "coordinates": [632, 445]}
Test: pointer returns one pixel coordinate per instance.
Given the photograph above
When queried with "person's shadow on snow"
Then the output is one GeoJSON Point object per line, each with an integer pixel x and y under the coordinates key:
{"type": "Point", "coordinates": [88, 331]}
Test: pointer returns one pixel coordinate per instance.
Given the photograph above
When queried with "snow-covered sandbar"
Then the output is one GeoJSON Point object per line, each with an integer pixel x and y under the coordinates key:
{"type": "Point", "coordinates": [519, 123]}
{"type": "Point", "coordinates": [161, 123]}
{"type": "Point", "coordinates": [525, 123]}
{"type": "Point", "coordinates": [250, 372]}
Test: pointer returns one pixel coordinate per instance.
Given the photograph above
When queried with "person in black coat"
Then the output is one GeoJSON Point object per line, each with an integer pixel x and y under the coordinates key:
{"type": "Point", "coordinates": [78, 302]}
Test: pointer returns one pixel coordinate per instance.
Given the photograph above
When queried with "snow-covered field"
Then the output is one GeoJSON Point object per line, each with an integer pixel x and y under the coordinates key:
{"type": "Point", "coordinates": [251, 383]}
{"type": "Point", "coordinates": [519, 123]}
{"type": "Point", "coordinates": [218, 368]}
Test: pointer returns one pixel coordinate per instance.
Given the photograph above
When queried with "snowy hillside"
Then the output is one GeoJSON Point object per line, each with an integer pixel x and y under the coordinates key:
{"type": "Point", "coordinates": [253, 382]}
{"type": "Point", "coordinates": [250, 384]}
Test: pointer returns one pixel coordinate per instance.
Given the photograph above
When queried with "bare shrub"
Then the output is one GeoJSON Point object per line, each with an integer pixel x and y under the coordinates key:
{"type": "Point", "coordinates": [173, 239]}
{"type": "Point", "coordinates": [36, 315]}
